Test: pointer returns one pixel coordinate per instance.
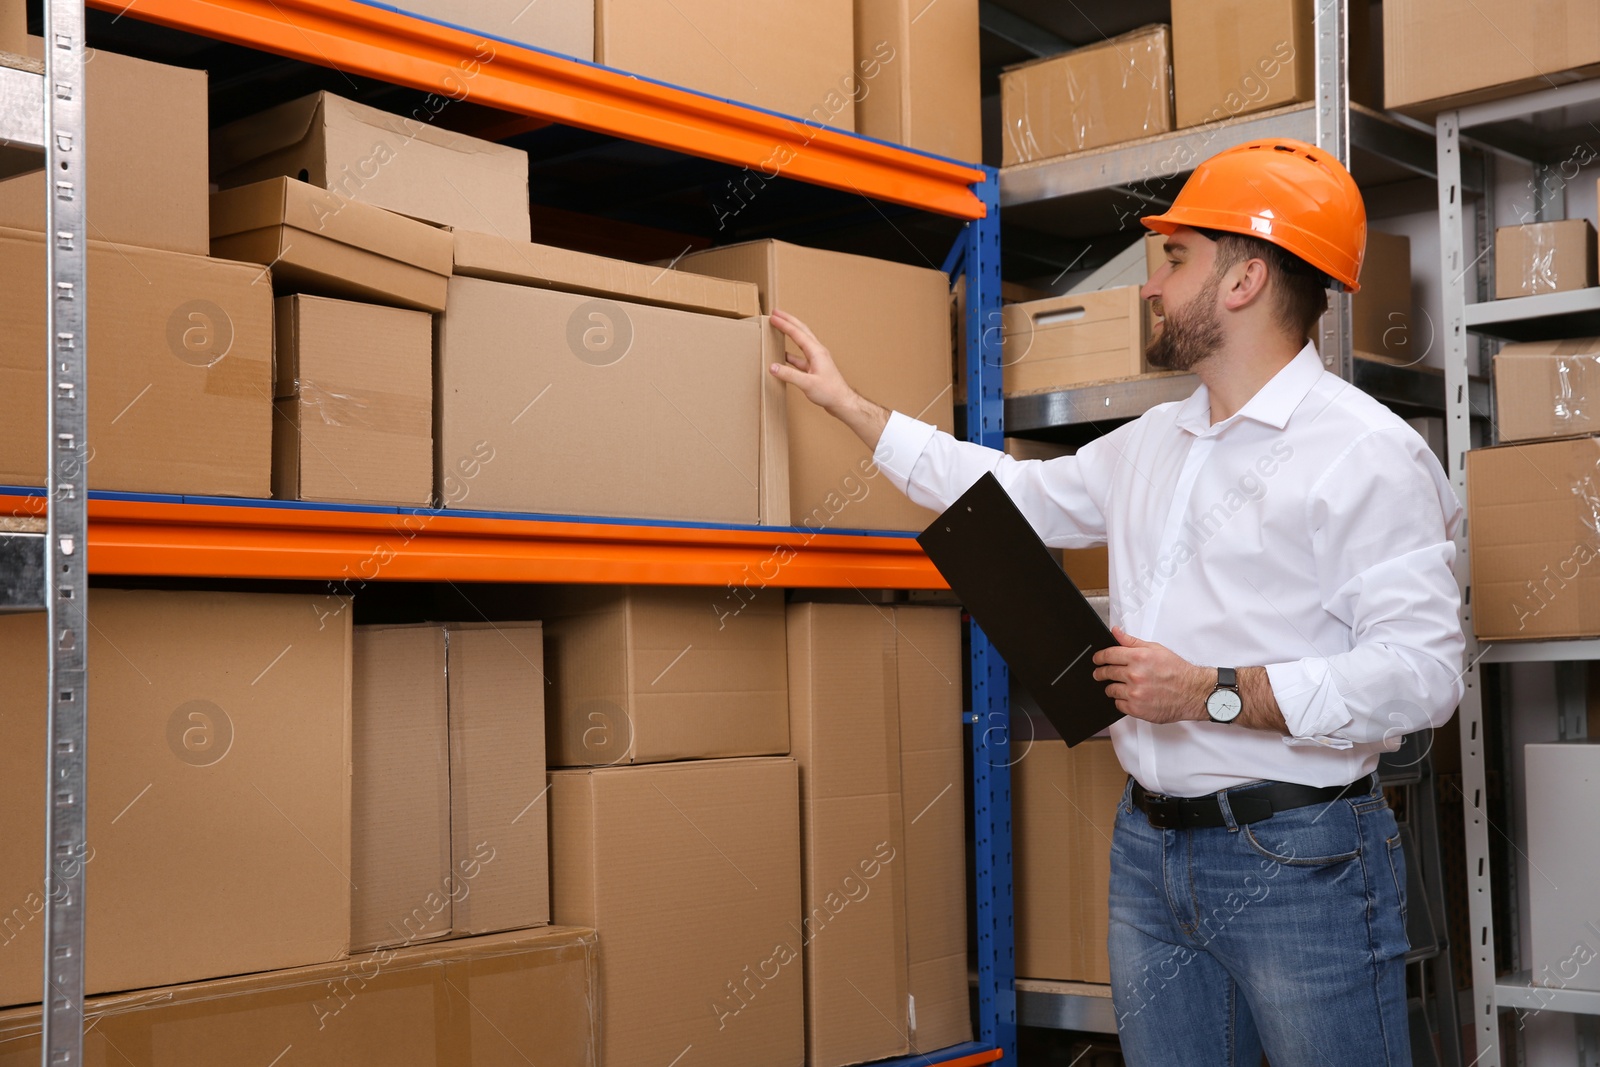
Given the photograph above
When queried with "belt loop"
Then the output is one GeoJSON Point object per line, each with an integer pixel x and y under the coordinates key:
{"type": "Point", "coordinates": [1227, 811]}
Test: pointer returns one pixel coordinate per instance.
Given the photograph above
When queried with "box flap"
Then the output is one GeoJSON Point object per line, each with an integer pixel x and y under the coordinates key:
{"type": "Point", "coordinates": [483, 255]}
{"type": "Point", "coordinates": [280, 127]}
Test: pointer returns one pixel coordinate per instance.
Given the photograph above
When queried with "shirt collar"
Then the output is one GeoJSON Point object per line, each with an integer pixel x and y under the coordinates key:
{"type": "Point", "coordinates": [1272, 404]}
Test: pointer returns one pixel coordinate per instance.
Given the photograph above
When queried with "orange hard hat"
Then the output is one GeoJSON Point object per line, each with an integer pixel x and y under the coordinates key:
{"type": "Point", "coordinates": [1288, 192]}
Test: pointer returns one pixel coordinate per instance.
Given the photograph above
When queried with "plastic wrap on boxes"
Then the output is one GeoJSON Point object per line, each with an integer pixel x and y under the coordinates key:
{"type": "Point", "coordinates": [1115, 91]}
{"type": "Point", "coordinates": [1548, 389]}
{"type": "Point", "coordinates": [505, 999]}
{"type": "Point", "coordinates": [1544, 257]}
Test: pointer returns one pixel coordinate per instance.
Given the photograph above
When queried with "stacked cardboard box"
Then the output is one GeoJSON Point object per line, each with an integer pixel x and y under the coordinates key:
{"type": "Point", "coordinates": [1072, 340]}
{"type": "Point", "coordinates": [565, 26]}
{"type": "Point", "coordinates": [219, 790]}
{"type": "Point", "coordinates": [873, 695]}
{"type": "Point", "coordinates": [1544, 257]}
{"type": "Point", "coordinates": [919, 70]}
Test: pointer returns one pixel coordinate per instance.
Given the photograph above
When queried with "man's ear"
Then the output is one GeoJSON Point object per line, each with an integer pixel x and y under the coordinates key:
{"type": "Point", "coordinates": [1246, 283]}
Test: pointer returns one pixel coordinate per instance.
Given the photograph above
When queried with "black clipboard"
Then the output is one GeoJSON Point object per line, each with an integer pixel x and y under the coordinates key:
{"type": "Point", "coordinates": [1032, 613]}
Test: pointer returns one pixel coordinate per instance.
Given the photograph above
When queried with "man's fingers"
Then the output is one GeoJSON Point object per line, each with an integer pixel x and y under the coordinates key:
{"type": "Point", "coordinates": [1112, 674]}
{"type": "Point", "coordinates": [1114, 655]}
{"type": "Point", "coordinates": [785, 373]}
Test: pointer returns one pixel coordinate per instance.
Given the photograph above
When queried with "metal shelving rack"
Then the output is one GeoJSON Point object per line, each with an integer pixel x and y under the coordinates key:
{"type": "Point", "coordinates": [1126, 180]}
{"type": "Point", "coordinates": [145, 534]}
{"type": "Point", "coordinates": [1505, 125]}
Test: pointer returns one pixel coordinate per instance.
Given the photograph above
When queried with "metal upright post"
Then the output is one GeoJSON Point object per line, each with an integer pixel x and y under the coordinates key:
{"type": "Point", "coordinates": [1458, 439]}
{"type": "Point", "coordinates": [991, 719]}
{"type": "Point", "coordinates": [66, 576]}
{"type": "Point", "coordinates": [1333, 136]}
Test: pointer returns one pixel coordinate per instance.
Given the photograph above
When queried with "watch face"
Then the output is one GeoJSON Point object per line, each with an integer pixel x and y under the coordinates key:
{"type": "Point", "coordinates": [1224, 705]}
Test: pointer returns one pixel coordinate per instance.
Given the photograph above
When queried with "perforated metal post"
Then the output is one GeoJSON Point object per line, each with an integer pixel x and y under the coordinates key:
{"type": "Point", "coordinates": [66, 576]}
{"type": "Point", "coordinates": [990, 717]}
{"type": "Point", "coordinates": [1333, 136]}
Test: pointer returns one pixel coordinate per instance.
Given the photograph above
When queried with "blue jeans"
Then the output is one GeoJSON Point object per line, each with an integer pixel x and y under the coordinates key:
{"type": "Point", "coordinates": [1285, 935]}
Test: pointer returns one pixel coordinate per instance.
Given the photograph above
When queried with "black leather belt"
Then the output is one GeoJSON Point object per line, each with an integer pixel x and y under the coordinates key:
{"type": "Point", "coordinates": [1249, 803]}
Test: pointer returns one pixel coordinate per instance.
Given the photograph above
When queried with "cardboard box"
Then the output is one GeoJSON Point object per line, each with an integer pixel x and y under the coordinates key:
{"type": "Point", "coordinates": [691, 873]}
{"type": "Point", "coordinates": [1381, 312]}
{"type": "Point", "coordinates": [844, 729]}
{"type": "Point", "coordinates": [318, 242]}
{"type": "Point", "coordinates": [14, 27]}
{"type": "Point", "coordinates": [1547, 389]}
{"type": "Point", "coordinates": [483, 255]}
{"type": "Point", "coordinates": [1103, 94]}
{"type": "Point", "coordinates": [1237, 57]}
{"type": "Point", "coordinates": [146, 181]}
{"type": "Point", "coordinates": [921, 72]}
{"type": "Point", "coordinates": [1543, 257]}
{"type": "Point", "coordinates": [565, 26]}
{"type": "Point", "coordinates": [1070, 340]}
{"type": "Point", "coordinates": [646, 674]}
{"type": "Point", "coordinates": [888, 328]}
{"type": "Point", "coordinates": [450, 831]}
{"type": "Point", "coordinates": [1440, 54]}
{"type": "Point", "coordinates": [453, 1004]}
{"type": "Point", "coordinates": [570, 405]}
{"type": "Point", "coordinates": [219, 789]}
{"type": "Point", "coordinates": [185, 356]}
{"type": "Point", "coordinates": [400, 866]}
{"type": "Point", "coordinates": [353, 403]}
{"type": "Point", "coordinates": [933, 810]}
{"type": "Point", "coordinates": [404, 163]}
{"type": "Point", "coordinates": [796, 57]}
{"type": "Point", "coordinates": [1564, 922]}
{"type": "Point", "coordinates": [1064, 806]}
{"type": "Point", "coordinates": [499, 812]}
{"type": "Point", "coordinates": [1532, 515]}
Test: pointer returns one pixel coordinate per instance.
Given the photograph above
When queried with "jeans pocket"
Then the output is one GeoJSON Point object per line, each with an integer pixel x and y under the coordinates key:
{"type": "Point", "coordinates": [1313, 836]}
{"type": "Point", "coordinates": [1397, 868]}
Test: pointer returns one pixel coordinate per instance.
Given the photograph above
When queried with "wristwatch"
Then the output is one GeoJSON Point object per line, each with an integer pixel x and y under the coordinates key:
{"type": "Point", "coordinates": [1224, 703]}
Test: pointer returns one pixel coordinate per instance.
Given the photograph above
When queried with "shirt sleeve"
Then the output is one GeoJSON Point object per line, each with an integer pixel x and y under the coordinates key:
{"type": "Point", "coordinates": [934, 469]}
{"type": "Point", "coordinates": [1382, 519]}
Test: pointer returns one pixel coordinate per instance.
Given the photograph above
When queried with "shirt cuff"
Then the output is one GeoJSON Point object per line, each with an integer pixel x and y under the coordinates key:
{"type": "Point", "coordinates": [900, 446]}
{"type": "Point", "coordinates": [1311, 704]}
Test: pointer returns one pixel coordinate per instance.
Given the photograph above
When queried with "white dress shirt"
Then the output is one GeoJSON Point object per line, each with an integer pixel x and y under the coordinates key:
{"type": "Point", "coordinates": [1310, 533]}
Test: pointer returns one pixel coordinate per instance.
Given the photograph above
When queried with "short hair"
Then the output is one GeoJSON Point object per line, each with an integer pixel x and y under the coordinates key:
{"type": "Point", "coordinates": [1302, 290]}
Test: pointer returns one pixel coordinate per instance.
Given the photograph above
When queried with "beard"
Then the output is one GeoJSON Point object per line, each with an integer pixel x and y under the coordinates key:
{"type": "Point", "coordinates": [1189, 335]}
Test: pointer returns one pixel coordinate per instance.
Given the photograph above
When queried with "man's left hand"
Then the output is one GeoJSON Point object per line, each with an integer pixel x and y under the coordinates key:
{"type": "Point", "coordinates": [1151, 682]}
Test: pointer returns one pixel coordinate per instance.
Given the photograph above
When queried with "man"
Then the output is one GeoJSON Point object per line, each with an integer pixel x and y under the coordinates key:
{"type": "Point", "coordinates": [1280, 559]}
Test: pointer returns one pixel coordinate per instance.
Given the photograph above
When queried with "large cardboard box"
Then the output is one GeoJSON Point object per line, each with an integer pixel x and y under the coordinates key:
{"type": "Point", "coordinates": [646, 674]}
{"type": "Point", "coordinates": [219, 789]}
{"type": "Point", "coordinates": [180, 393]}
{"type": "Point", "coordinates": [405, 163]}
{"type": "Point", "coordinates": [888, 327]}
{"type": "Point", "coordinates": [353, 403]}
{"type": "Point", "coordinates": [1381, 312]}
{"type": "Point", "coordinates": [1531, 518]}
{"type": "Point", "coordinates": [844, 726]}
{"type": "Point", "coordinates": [1547, 389]}
{"type": "Point", "coordinates": [920, 71]}
{"type": "Point", "coordinates": [484, 255]}
{"type": "Point", "coordinates": [1564, 902]}
{"type": "Point", "coordinates": [933, 811]}
{"type": "Point", "coordinates": [691, 873]}
{"type": "Point", "coordinates": [565, 26]}
{"type": "Point", "coordinates": [1543, 257]}
{"type": "Point", "coordinates": [14, 27]}
{"type": "Point", "coordinates": [1070, 340]}
{"type": "Point", "coordinates": [1439, 54]}
{"type": "Point", "coordinates": [1102, 94]}
{"type": "Point", "coordinates": [318, 242]}
{"type": "Point", "coordinates": [571, 405]}
{"type": "Point", "coordinates": [450, 828]}
{"type": "Point", "coordinates": [1236, 57]}
{"type": "Point", "coordinates": [499, 813]}
{"type": "Point", "coordinates": [146, 181]}
{"type": "Point", "coordinates": [796, 57]}
{"type": "Point", "coordinates": [502, 1001]}
{"type": "Point", "coordinates": [400, 872]}
{"type": "Point", "coordinates": [1064, 807]}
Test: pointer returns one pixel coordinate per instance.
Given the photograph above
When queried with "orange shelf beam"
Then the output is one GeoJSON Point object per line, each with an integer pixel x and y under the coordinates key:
{"type": "Point", "coordinates": [240, 541]}
{"type": "Point", "coordinates": [456, 65]}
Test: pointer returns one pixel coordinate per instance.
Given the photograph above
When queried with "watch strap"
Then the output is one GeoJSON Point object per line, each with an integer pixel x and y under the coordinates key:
{"type": "Point", "coordinates": [1227, 678]}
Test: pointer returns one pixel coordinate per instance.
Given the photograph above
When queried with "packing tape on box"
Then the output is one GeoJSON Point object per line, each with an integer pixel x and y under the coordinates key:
{"type": "Point", "coordinates": [393, 412]}
{"type": "Point", "coordinates": [1101, 78]}
{"type": "Point", "coordinates": [1571, 405]}
{"type": "Point", "coordinates": [1539, 270]}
